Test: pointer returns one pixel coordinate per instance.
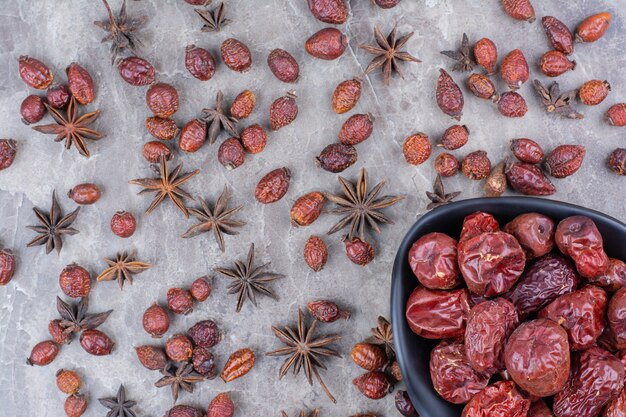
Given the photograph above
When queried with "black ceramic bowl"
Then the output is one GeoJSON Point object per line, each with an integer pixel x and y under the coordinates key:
{"type": "Point", "coordinates": [413, 351]}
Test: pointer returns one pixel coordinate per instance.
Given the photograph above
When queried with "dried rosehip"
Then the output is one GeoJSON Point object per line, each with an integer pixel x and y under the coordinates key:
{"type": "Point", "coordinates": [528, 179]}
{"type": "Point", "coordinates": [193, 136]}
{"type": "Point", "coordinates": [446, 164]}
{"type": "Point", "coordinates": [329, 11]}
{"type": "Point", "coordinates": [514, 69]}
{"type": "Point", "coordinates": [307, 208]}
{"type": "Point", "coordinates": [205, 333]}
{"type": "Point", "coordinates": [527, 150]}
{"type": "Point", "coordinates": [452, 376]}
{"type": "Point", "coordinates": [436, 314]}
{"type": "Point", "coordinates": [417, 148]}
{"type": "Point", "coordinates": [346, 95]}
{"type": "Point", "coordinates": [231, 154]}
{"type": "Point", "coordinates": [565, 160]}
{"type": "Point", "coordinates": [85, 193]}
{"type": "Point", "coordinates": [179, 300]}
{"type": "Point", "coordinates": [164, 129]}
{"type": "Point", "coordinates": [123, 224]}
{"type": "Point", "coordinates": [58, 333]}
{"type": "Point", "coordinates": [534, 232]}
{"type": "Point", "coordinates": [558, 34]}
{"type": "Point", "coordinates": [593, 28]}
{"type": "Point", "coordinates": [597, 377]}
{"type": "Point", "coordinates": [495, 183]}
{"type": "Point", "coordinates": [283, 65]}
{"type": "Point", "coordinates": [43, 353]}
{"type": "Point", "coordinates": [617, 161]}
{"type": "Point", "coordinates": [7, 266]}
{"type": "Point", "coordinates": [68, 382]}
{"type": "Point", "coordinates": [337, 157]}
{"type": "Point", "coordinates": [34, 73]}
{"type": "Point", "coordinates": [75, 405]}
{"type": "Point", "coordinates": [153, 150]}
{"type": "Point", "coordinates": [454, 137]}
{"type": "Point", "coordinates": [476, 165]}
{"type": "Point", "coordinates": [512, 104]}
{"type": "Point", "coordinates": [184, 410]}
{"type": "Point", "coordinates": [404, 404]}
{"type": "Point", "coordinates": [360, 252]}
{"type": "Point", "coordinates": [151, 357]}
{"type": "Point", "coordinates": [486, 55]}
{"type": "Point", "coordinates": [555, 63]}
{"type": "Point", "coordinates": [315, 253]}
{"type": "Point", "coordinates": [482, 87]}
{"type": "Point", "coordinates": [594, 92]}
{"type": "Point", "coordinates": [96, 342]}
{"type": "Point", "coordinates": [519, 9]}
{"type": "Point", "coordinates": [449, 96]}
{"type": "Point", "coordinates": [579, 238]}
{"type": "Point", "coordinates": [57, 96]}
{"type": "Point", "coordinates": [328, 44]}
{"type": "Point", "coordinates": [356, 129]}
{"type": "Point", "coordinates": [616, 115]}
{"type": "Point", "coordinates": [238, 364]}
{"type": "Point", "coordinates": [75, 281]}
{"type": "Point", "coordinates": [236, 55]}
{"type": "Point", "coordinates": [326, 311]}
{"type": "Point", "coordinates": [433, 260]}
{"type": "Point", "coordinates": [273, 186]}
{"type": "Point", "coordinates": [204, 362]}
{"type": "Point", "coordinates": [478, 223]}
{"type": "Point", "coordinates": [243, 105]}
{"type": "Point", "coordinates": [179, 348]}
{"type": "Point", "coordinates": [32, 109]}
{"type": "Point", "coordinates": [368, 356]}
{"type": "Point", "coordinates": [500, 399]}
{"type": "Point", "coordinates": [80, 83]}
{"type": "Point", "coordinates": [156, 321]}
{"type": "Point", "coordinates": [199, 62]}
{"type": "Point", "coordinates": [136, 71]}
{"type": "Point", "coordinates": [8, 149]}
{"type": "Point", "coordinates": [221, 406]}
{"type": "Point", "coordinates": [374, 385]}
{"type": "Point", "coordinates": [162, 99]}
{"type": "Point", "coordinates": [254, 138]}
{"type": "Point", "coordinates": [613, 278]}
{"type": "Point", "coordinates": [283, 111]}
{"type": "Point", "coordinates": [394, 370]}
{"type": "Point", "coordinates": [615, 317]}
{"type": "Point", "coordinates": [201, 288]}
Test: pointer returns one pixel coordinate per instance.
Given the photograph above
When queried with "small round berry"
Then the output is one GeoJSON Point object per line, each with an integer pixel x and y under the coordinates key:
{"type": "Point", "coordinates": [446, 164]}
{"type": "Point", "coordinates": [75, 405]}
{"type": "Point", "coordinates": [205, 333]}
{"type": "Point", "coordinates": [123, 224]}
{"type": "Point", "coordinates": [454, 137]}
{"type": "Point", "coordinates": [417, 149]}
{"type": "Point", "coordinates": [617, 161]}
{"type": "Point", "coordinates": [476, 165]}
{"type": "Point", "coordinates": [179, 300]}
{"type": "Point", "coordinates": [155, 321]}
{"type": "Point", "coordinates": [201, 288]}
{"type": "Point", "coordinates": [43, 353]}
{"type": "Point", "coordinates": [75, 281]}
{"type": "Point", "coordinates": [68, 381]}
{"type": "Point", "coordinates": [179, 348]}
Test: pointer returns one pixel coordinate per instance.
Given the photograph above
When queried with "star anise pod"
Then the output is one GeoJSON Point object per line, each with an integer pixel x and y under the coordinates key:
{"type": "Point", "coordinates": [71, 127]}
{"type": "Point", "coordinates": [121, 30]}
{"type": "Point", "coordinates": [314, 413]}
{"type": "Point", "coordinates": [438, 196]}
{"type": "Point", "coordinates": [166, 185]}
{"type": "Point", "coordinates": [213, 20]}
{"type": "Point", "coordinates": [382, 335]}
{"type": "Point", "coordinates": [122, 269]}
{"type": "Point", "coordinates": [305, 350]}
{"type": "Point", "coordinates": [74, 318]}
{"type": "Point", "coordinates": [360, 207]}
{"type": "Point", "coordinates": [217, 219]}
{"type": "Point", "coordinates": [119, 405]}
{"type": "Point", "coordinates": [558, 103]}
{"type": "Point", "coordinates": [462, 57]}
{"type": "Point", "coordinates": [388, 53]}
{"type": "Point", "coordinates": [182, 377]}
{"type": "Point", "coordinates": [217, 120]}
{"type": "Point", "coordinates": [53, 226]}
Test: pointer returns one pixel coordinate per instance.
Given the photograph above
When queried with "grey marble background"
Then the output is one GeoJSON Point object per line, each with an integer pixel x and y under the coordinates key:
{"type": "Point", "coordinates": [61, 31]}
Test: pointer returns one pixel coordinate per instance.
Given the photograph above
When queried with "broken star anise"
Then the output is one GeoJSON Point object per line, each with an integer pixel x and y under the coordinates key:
{"type": "Point", "coordinates": [382, 335]}
{"type": "Point", "coordinates": [314, 413]}
{"type": "Point", "coordinates": [53, 226]}
{"type": "Point", "coordinates": [388, 53]}
{"type": "Point", "coordinates": [181, 377]}
{"type": "Point", "coordinates": [462, 57]}
{"type": "Point", "coordinates": [119, 405]}
{"type": "Point", "coordinates": [438, 195]}
{"type": "Point", "coordinates": [166, 185]}
{"type": "Point", "coordinates": [217, 120]}
{"type": "Point", "coordinates": [217, 219]}
{"type": "Point", "coordinates": [558, 103]}
{"type": "Point", "coordinates": [213, 20]}
{"type": "Point", "coordinates": [74, 318]}
{"type": "Point", "coordinates": [305, 350]}
{"type": "Point", "coordinates": [359, 206]}
{"type": "Point", "coordinates": [122, 269]}
{"type": "Point", "coordinates": [71, 127]}
{"type": "Point", "coordinates": [121, 30]}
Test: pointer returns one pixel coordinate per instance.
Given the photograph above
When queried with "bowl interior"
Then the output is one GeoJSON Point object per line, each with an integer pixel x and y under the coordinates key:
{"type": "Point", "coordinates": [413, 352]}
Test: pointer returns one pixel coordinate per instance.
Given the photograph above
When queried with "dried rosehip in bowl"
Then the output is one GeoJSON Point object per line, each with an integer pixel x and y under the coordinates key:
{"type": "Point", "coordinates": [519, 9]}
{"type": "Point", "coordinates": [179, 301]}
{"type": "Point", "coordinates": [201, 288]}
{"type": "Point", "coordinates": [356, 129]}
{"type": "Point", "coordinates": [454, 137]}
{"type": "Point", "coordinates": [136, 71]}
{"type": "Point", "coordinates": [96, 342]}
{"type": "Point", "coordinates": [615, 317]}
{"type": "Point", "coordinates": [374, 384]}
{"type": "Point", "coordinates": [162, 99]}
{"type": "Point", "coordinates": [68, 382]}
{"type": "Point", "coordinates": [534, 232]}
{"type": "Point", "coordinates": [486, 55]}
{"type": "Point", "coordinates": [58, 97]}
{"type": "Point", "coordinates": [328, 44]}
{"type": "Point", "coordinates": [359, 251]}
{"type": "Point", "coordinates": [417, 148]}
{"type": "Point", "coordinates": [75, 281]}
{"type": "Point", "coordinates": [156, 321]}
{"type": "Point", "coordinates": [43, 353]}
{"type": "Point", "coordinates": [565, 160]}
{"type": "Point", "coordinates": [243, 104]}
{"type": "Point", "coordinates": [80, 83]}
{"type": "Point", "coordinates": [34, 73]}
{"type": "Point", "coordinates": [528, 179]}
{"type": "Point", "coordinates": [613, 278]}
{"type": "Point", "coordinates": [478, 223]}
{"type": "Point", "coordinates": [449, 96]}
{"type": "Point", "coordinates": [579, 238]}
{"type": "Point", "coordinates": [32, 109]}
{"type": "Point", "coordinates": [231, 154]}
{"type": "Point", "coordinates": [254, 138]}
{"type": "Point", "coordinates": [476, 165]}
{"type": "Point", "coordinates": [558, 34]}
{"type": "Point", "coordinates": [164, 129]}
{"type": "Point", "coordinates": [8, 150]}
{"type": "Point", "coordinates": [205, 333]}
{"type": "Point", "coordinates": [437, 314]}
{"type": "Point", "coordinates": [514, 69]}
{"type": "Point", "coordinates": [273, 186]}
{"type": "Point", "coordinates": [594, 92]}
{"type": "Point", "coordinates": [151, 357]}
{"type": "Point", "coordinates": [307, 208]}
{"type": "Point", "coordinates": [617, 161]}
{"type": "Point", "coordinates": [500, 399]}
{"type": "Point", "coordinates": [527, 150]}
{"type": "Point", "coordinates": [555, 63]}
{"type": "Point", "coordinates": [283, 111]}
{"type": "Point", "coordinates": [368, 356]}
{"type": "Point", "coordinates": [179, 348]}
{"type": "Point", "coordinates": [512, 104]}
{"type": "Point", "coordinates": [593, 28]}
{"type": "Point", "coordinates": [199, 62]}
{"type": "Point", "coordinates": [283, 65]}
{"type": "Point", "coordinates": [337, 157]}
{"type": "Point", "coordinates": [329, 11]}
{"type": "Point", "coordinates": [236, 55]}
{"type": "Point", "coordinates": [433, 260]}
{"type": "Point", "coordinates": [446, 164]}
{"type": "Point", "coordinates": [7, 266]}
{"type": "Point", "coordinates": [123, 224]}
{"type": "Point", "coordinates": [85, 193]}
{"type": "Point", "coordinates": [346, 95]}
{"type": "Point", "coordinates": [315, 253]}
{"type": "Point", "coordinates": [326, 311]}
{"type": "Point", "coordinates": [193, 136]}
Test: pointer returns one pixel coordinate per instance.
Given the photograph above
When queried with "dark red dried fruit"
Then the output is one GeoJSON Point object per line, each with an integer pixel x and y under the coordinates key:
{"type": "Point", "coordinates": [449, 96]}
{"type": "Point", "coordinates": [500, 399]}
{"type": "Point", "coordinates": [58, 97]}
{"type": "Point", "coordinates": [374, 385]}
{"type": "Point", "coordinates": [236, 55]}
{"type": "Point", "coordinates": [613, 278]}
{"type": "Point", "coordinates": [164, 129]}
{"type": "Point", "coordinates": [179, 348]}
{"type": "Point", "coordinates": [555, 63]}
{"type": "Point", "coordinates": [558, 34]}
{"type": "Point", "coordinates": [368, 356]}
{"type": "Point", "coordinates": [486, 55]}
{"type": "Point", "coordinates": [231, 153]}
{"type": "Point", "coordinates": [565, 160]}
{"type": "Point", "coordinates": [32, 109]}
{"type": "Point", "coordinates": [539, 409]}
{"type": "Point", "coordinates": [528, 179]}
{"type": "Point", "coordinates": [476, 165]}
{"type": "Point", "coordinates": [179, 300]}
{"type": "Point", "coordinates": [7, 266]}
{"type": "Point", "coordinates": [193, 136]}
{"type": "Point", "coordinates": [34, 73]}
{"type": "Point", "coordinates": [616, 315]}
{"type": "Point", "coordinates": [283, 111]}
{"type": "Point", "coordinates": [404, 404]}
{"type": "Point", "coordinates": [86, 193]}
{"type": "Point", "coordinates": [307, 208]}
{"type": "Point", "coordinates": [579, 238]}
{"type": "Point", "coordinates": [519, 9]}
{"type": "Point", "coordinates": [356, 129]}
{"type": "Point", "coordinates": [123, 224]}
{"type": "Point", "coordinates": [155, 320]}
{"type": "Point", "coordinates": [68, 382]}
{"type": "Point", "coordinates": [254, 138]}
{"type": "Point", "coordinates": [184, 410]}
{"type": "Point", "coordinates": [58, 333]}
{"type": "Point", "coordinates": [512, 104]}
{"type": "Point", "coordinates": [43, 353]}
{"type": "Point", "coordinates": [446, 164]}
{"type": "Point", "coordinates": [593, 28]}
{"type": "Point", "coordinates": [326, 311]}
{"type": "Point", "coordinates": [80, 83]}
{"type": "Point", "coordinates": [151, 357]}
{"type": "Point", "coordinates": [433, 260]}
{"type": "Point", "coordinates": [527, 150]}
{"type": "Point", "coordinates": [337, 157]}
{"type": "Point", "coordinates": [594, 92]}
{"type": "Point", "coordinates": [75, 281]}
{"type": "Point", "coordinates": [273, 186]}
{"type": "Point", "coordinates": [153, 150]}
{"type": "Point", "coordinates": [417, 148]}
{"type": "Point", "coordinates": [616, 115]}
{"type": "Point", "coordinates": [478, 223]}
{"type": "Point", "coordinates": [243, 105]}
{"type": "Point", "coordinates": [205, 333]}
{"type": "Point", "coordinates": [534, 232]}
{"type": "Point", "coordinates": [283, 65]}
{"type": "Point", "coordinates": [136, 71]}
{"type": "Point", "coordinates": [495, 183]}
{"type": "Point", "coordinates": [75, 405]}
{"type": "Point", "coordinates": [96, 342]}
{"type": "Point", "coordinates": [201, 288]}
{"type": "Point", "coordinates": [482, 87]}
{"type": "Point", "coordinates": [162, 99]}
{"type": "Point", "coordinates": [387, 4]}
{"type": "Point", "coordinates": [199, 62]}
{"type": "Point", "coordinates": [454, 137]}
{"type": "Point", "coordinates": [436, 314]}
{"type": "Point", "coordinates": [329, 11]}
{"type": "Point", "coordinates": [617, 161]}
{"type": "Point", "coordinates": [514, 69]}
{"type": "Point", "coordinates": [328, 44]}
{"type": "Point", "coordinates": [617, 406]}
{"type": "Point", "coordinates": [204, 362]}
{"type": "Point", "coordinates": [315, 253]}
{"type": "Point", "coordinates": [360, 252]}
{"type": "Point", "coordinates": [346, 95]}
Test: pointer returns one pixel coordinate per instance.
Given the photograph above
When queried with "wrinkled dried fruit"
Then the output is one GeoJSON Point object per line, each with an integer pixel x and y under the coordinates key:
{"type": "Point", "coordinates": [8, 149]}
{"type": "Point", "coordinates": [243, 105]}
{"type": "Point", "coordinates": [326, 311]}
{"type": "Point", "coordinates": [179, 300]}
{"type": "Point", "coordinates": [593, 28]}
{"type": "Point", "coordinates": [579, 238]}
{"type": "Point", "coordinates": [283, 111]}
{"type": "Point", "coordinates": [221, 406]}
{"type": "Point", "coordinates": [337, 157]}
{"type": "Point", "coordinates": [527, 150]}
{"type": "Point", "coordinates": [356, 129]}
{"type": "Point", "coordinates": [193, 136]}
{"type": "Point", "coordinates": [528, 179]}
{"type": "Point", "coordinates": [616, 115]}
{"type": "Point", "coordinates": [283, 65]}
{"type": "Point", "coordinates": [75, 281]}
{"type": "Point", "coordinates": [205, 333]}
{"type": "Point", "coordinates": [449, 96]}
{"type": "Point", "coordinates": [86, 193]}
{"type": "Point", "coordinates": [446, 164]}
{"type": "Point", "coordinates": [151, 357]}
{"type": "Point", "coordinates": [179, 348]}
{"type": "Point", "coordinates": [616, 317]}
{"type": "Point", "coordinates": [495, 183]}
{"type": "Point", "coordinates": [374, 385]}
{"type": "Point", "coordinates": [156, 321]}
{"type": "Point", "coordinates": [96, 342]}
{"type": "Point", "coordinates": [387, 4]}
{"type": "Point", "coordinates": [558, 34]}
{"type": "Point", "coordinates": [162, 99]}
{"type": "Point", "coordinates": [476, 165]}
{"type": "Point", "coordinates": [273, 186]}
{"type": "Point", "coordinates": [478, 223]}
{"type": "Point", "coordinates": [164, 129]}
{"type": "Point", "coordinates": [58, 97]}
{"type": "Point", "coordinates": [236, 55]}
{"type": "Point", "coordinates": [519, 9]}
{"type": "Point", "coordinates": [433, 260]}
{"type": "Point", "coordinates": [555, 63]}
{"type": "Point", "coordinates": [594, 92]}
{"type": "Point", "coordinates": [436, 314]}
{"type": "Point", "coordinates": [254, 138]}
{"type": "Point", "coordinates": [417, 148]}
{"type": "Point", "coordinates": [315, 253]}
{"type": "Point", "coordinates": [307, 208]}
{"type": "Point", "coordinates": [534, 232]}
{"type": "Point", "coordinates": [346, 95]}
{"type": "Point", "coordinates": [404, 404]}
{"type": "Point", "coordinates": [454, 137]}
{"type": "Point", "coordinates": [58, 333]}
{"type": "Point", "coordinates": [512, 104]}
{"type": "Point", "coordinates": [184, 410]}
{"type": "Point", "coordinates": [486, 55]}
{"type": "Point", "coordinates": [617, 406]}
{"type": "Point", "coordinates": [514, 69]}
{"type": "Point", "coordinates": [123, 224]}
{"type": "Point", "coordinates": [500, 399]}
{"type": "Point", "coordinates": [7, 266]}
{"type": "Point", "coordinates": [482, 87]}
{"type": "Point", "coordinates": [136, 71]}
{"type": "Point", "coordinates": [201, 288]}
{"type": "Point", "coordinates": [34, 73]}
{"type": "Point", "coordinates": [80, 83]}
{"type": "Point", "coordinates": [360, 252]}
{"type": "Point", "coordinates": [75, 405]}
{"type": "Point", "coordinates": [231, 153]}
{"type": "Point", "coordinates": [617, 161]}
{"type": "Point", "coordinates": [32, 109]}
{"type": "Point", "coordinates": [613, 278]}
{"type": "Point", "coordinates": [153, 150]}
{"type": "Point", "coordinates": [368, 356]}
{"type": "Point", "coordinates": [329, 11]}
{"type": "Point", "coordinates": [238, 364]}
{"type": "Point", "coordinates": [68, 382]}
{"type": "Point", "coordinates": [328, 43]}
{"type": "Point", "coordinates": [394, 371]}
{"type": "Point", "coordinates": [199, 62]}
{"type": "Point", "coordinates": [539, 409]}
{"type": "Point", "coordinates": [43, 353]}
{"type": "Point", "coordinates": [203, 362]}
{"type": "Point", "coordinates": [565, 160]}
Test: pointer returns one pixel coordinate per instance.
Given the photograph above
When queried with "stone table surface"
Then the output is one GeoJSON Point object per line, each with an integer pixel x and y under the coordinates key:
{"type": "Point", "coordinates": [61, 31]}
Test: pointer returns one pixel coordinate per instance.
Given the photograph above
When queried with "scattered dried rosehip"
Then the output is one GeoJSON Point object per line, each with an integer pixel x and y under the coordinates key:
{"type": "Point", "coordinates": [307, 208]}
{"type": "Point", "coordinates": [179, 348]}
{"type": "Point", "coordinates": [58, 333]}
{"type": "Point", "coordinates": [594, 92]}
{"type": "Point", "coordinates": [201, 288]}
{"type": "Point", "coordinates": [8, 150]}
{"type": "Point", "coordinates": [476, 165]}
{"type": "Point", "coordinates": [326, 311]}
{"type": "Point", "coordinates": [356, 129]}
{"type": "Point", "coordinates": [96, 342]}
{"type": "Point", "coordinates": [179, 301]}
{"type": "Point", "coordinates": [368, 356]}
{"type": "Point", "coordinates": [315, 253]}
{"type": "Point", "coordinates": [231, 154]}
{"type": "Point", "coordinates": [454, 137]}
{"type": "Point", "coordinates": [243, 105]}
{"type": "Point", "coordinates": [164, 129]}
{"type": "Point", "coordinates": [283, 65]}
{"type": "Point", "coordinates": [85, 193]}
{"type": "Point", "coordinates": [346, 95]}
{"type": "Point", "coordinates": [328, 44]}
{"type": "Point", "coordinates": [534, 232]}
{"type": "Point", "coordinates": [593, 28]}
{"type": "Point", "coordinates": [75, 281]}
{"type": "Point", "coordinates": [43, 353]}
{"type": "Point", "coordinates": [7, 266]}
{"type": "Point", "coordinates": [579, 238]}
{"type": "Point", "coordinates": [273, 186]}
{"type": "Point", "coordinates": [32, 109]}
{"type": "Point", "coordinates": [417, 148]}
{"type": "Point", "coordinates": [565, 160]}
{"type": "Point", "coordinates": [80, 83]}
{"type": "Point", "coordinates": [153, 150]}
{"type": "Point", "coordinates": [449, 96]}
{"type": "Point", "coordinates": [360, 252]}
{"type": "Point", "coordinates": [136, 71]}
{"type": "Point", "coordinates": [204, 362]}
{"type": "Point", "coordinates": [527, 150]}
{"type": "Point", "coordinates": [617, 161]}
{"type": "Point", "coordinates": [238, 364]}
{"type": "Point", "coordinates": [387, 4]}
{"type": "Point", "coordinates": [199, 62]}
{"type": "Point", "coordinates": [123, 224]}
{"type": "Point", "coordinates": [482, 87]}
{"type": "Point", "coordinates": [236, 55]}
{"type": "Point", "coordinates": [558, 34]}
{"type": "Point", "coordinates": [184, 410]}
{"type": "Point", "coordinates": [404, 404]}
{"type": "Point", "coordinates": [337, 157]}
{"type": "Point", "coordinates": [437, 314]}
{"type": "Point", "coordinates": [193, 136]}
{"type": "Point", "coordinates": [151, 357]}
{"type": "Point", "coordinates": [329, 11]}
{"type": "Point", "coordinates": [374, 385]}
{"type": "Point", "coordinates": [528, 179]}
{"type": "Point", "coordinates": [555, 63]}
{"type": "Point", "coordinates": [616, 115]}
{"type": "Point", "coordinates": [205, 333]}
{"type": "Point", "coordinates": [514, 69]}
{"type": "Point", "coordinates": [34, 73]}
{"type": "Point", "coordinates": [75, 405]}
{"type": "Point", "coordinates": [254, 138]}
{"type": "Point", "coordinates": [283, 111]}
{"type": "Point", "coordinates": [162, 99]}
{"type": "Point", "coordinates": [486, 55]}
{"type": "Point", "coordinates": [221, 406]}
{"type": "Point", "coordinates": [433, 260]}
{"type": "Point", "coordinates": [57, 96]}
{"type": "Point", "coordinates": [67, 381]}
{"type": "Point", "coordinates": [519, 9]}
{"type": "Point", "coordinates": [512, 104]}
{"type": "Point", "coordinates": [446, 164]}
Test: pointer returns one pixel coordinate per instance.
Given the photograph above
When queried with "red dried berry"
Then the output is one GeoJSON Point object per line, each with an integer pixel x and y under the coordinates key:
{"type": "Point", "coordinates": [594, 92]}
{"type": "Point", "coordinates": [387, 4]}
{"type": "Point", "coordinates": [478, 223]}
{"type": "Point", "coordinates": [164, 129]}
{"type": "Point", "coordinates": [565, 160]}
{"type": "Point", "coordinates": [57, 96]}
{"type": "Point", "coordinates": [75, 281]}
{"type": "Point", "coordinates": [326, 311]}
{"type": "Point", "coordinates": [454, 137]}
{"type": "Point", "coordinates": [8, 150]}
{"type": "Point", "coordinates": [476, 165]}
{"type": "Point", "coordinates": [283, 111]}
{"type": "Point", "coordinates": [315, 253]}
{"type": "Point", "coordinates": [254, 138]}
{"type": "Point", "coordinates": [123, 224]}
{"type": "Point", "coordinates": [238, 364]}
{"type": "Point", "coordinates": [136, 71]}
{"type": "Point", "coordinates": [283, 65]}
{"type": "Point", "coordinates": [151, 357]}
{"type": "Point", "coordinates": [205, 333]}
{"type": "Point", "coordinates": [201, 288]}
{"type": "Point", "coordinates": [356, 129]}
{"type": "Point", "coordinates": [155, 321]}
{"type": "Point", "coordinates": [179, 348]}
{"type": "Point", "coordinates": [236, 55]}
{"type": "Point", "coordinates": [558, 34]}
{"type": "Point", "coordinates": [273, 186]}
{"type": "Point", "coordinates": [481, 86]}
{"type": "Point", "coordinates": [204, 363]}
{"type": "Point", "coordinates": [486, 55]}
{"type": "Point", "coordinates": [243, 105]}
{"type": "Point", "coordinates": [593, 28]}
{"type": "Point", "coordinates": [328, 44]}
{"type": "Point", "coordinates": [75, 405]}
{"type": "Point", "coordinates": [34, 73]}
{"type": "Point", "coordinates": [32, 109]}
{"type": "Point", "coordinates": [433, 260]}
{"type": "Point", "coordinates": [43, 353]}
{"type": "Point", "coordinates": [199, 62]}
{"type": "Point", "coordinates": [162, 99]}
{"type": "Point", "coordinates": [184, 410]}
{"type": "Point", "coordinates": [528, 179]}
{"type": "Point", "coordinates": [7, 266]}
{"type": "Point", "coordinates": [231, 154]}
{"type": "Point", "coordinates": [374, 385]}
{"type": "Point", "coordinates": [417, 148]}
{"type": "Point", "coordinates": [85, 194]}
{"type": "Point", "coordinates": [449, 96]}
{"type": "Point", "coordinates": [368, 356]}
{"type": "Point", "coordinates": [337, 157]}
{"type": "Point", "coordinates": [307, 208]}
{"type": "Point", "coordinates": [519, 9]}
{"type": "Point", "coordinates": [514, 69]}
{"type": "Point", "coordinates": [527, 150]}
{"type": "Point", "coordinates": [616, 115]}
{"type": "Point", "coordinates": [512, 104]}
{"type": "Point", "coordinates": [221, 406]}
{"type": "Point", "coordinates": [96, 342]}
{"type": "Point", "coordinates": [58, 333]}
{"type": "Point", "coordinates": [80, 83]}
{"type": "Point", "coordinates": [153, 150]}
{"type": "Point", "coordinates": [360, 252]}
{"type": "Point", "coordinates": [329, 11]}
{"type": "Point", "coordinates": [193, 136]}
{"type": "Point", "coordinates": [179, 300]}
{"type": "Point", "coordinates": [68, 382]}
{"type": "Point", "coordinates": [555, 63]}
{"type": "Point", "coordinates": [346, 95]}
{"type": "Point", "coordinates": [617, 161]}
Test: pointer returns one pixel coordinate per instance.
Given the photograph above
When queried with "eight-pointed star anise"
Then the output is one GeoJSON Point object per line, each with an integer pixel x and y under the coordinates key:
{"type": "Point", "coordinates": [360, 207]}
{"type": "Point", "coordinates": [314, 413]}
{"type": "Point", "coordinates": [122, 269]}
{"type": "Point", "coordinates": [438, 195]}
{"type": "Point", "coordinates": [121, 30]}
{"type": "Point", "coordinates": [382, 335]}
{"type": "Point", "coordinates": [388, 53]}
{"type": "Point", "coordinates": [119, 405]}
{"type": "Point", "coordinates": [219, 219]}
{"type": "Point", "coordinates": [248, 280]}
{"type": "Point", "coordinates": [182, 377]}
{"type": "Point", "coordinates": [53, 226]}
{"type": "Point", "coordinates": [462, 57]}
{"type": "Point", "coordinates": [166, 185]}
{"type": "Point", "coordinates": [213, 20]}
{"type": "Point", "coordinates": [217, 120]}
{"type": "Point", "coordinates": [71, 127]}
{"type": "Point", "coordinates": [305, 350]}
{"type": "Point", "coordinates": [558, 103]}
{"type": "Point", "coordinates": [74, 318]}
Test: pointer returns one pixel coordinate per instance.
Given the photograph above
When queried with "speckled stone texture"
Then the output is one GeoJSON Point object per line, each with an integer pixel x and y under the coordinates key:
{"type": "Point", "coordinates": [61, 31]}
